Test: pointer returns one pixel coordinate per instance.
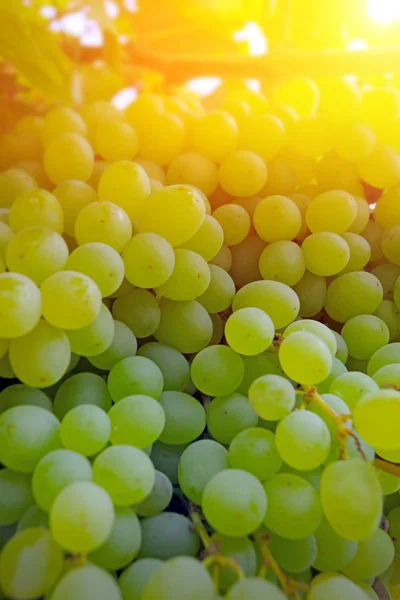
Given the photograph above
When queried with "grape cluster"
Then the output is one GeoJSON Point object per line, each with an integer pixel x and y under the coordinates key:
{"type": "Point", "coordinates": [200, 347]}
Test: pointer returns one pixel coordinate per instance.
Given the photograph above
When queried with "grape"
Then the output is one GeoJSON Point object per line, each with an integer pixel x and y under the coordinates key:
{"type": "Point", "coordinates": [276, 299]}
{"type": "Point", "coordinates": [33, 517]}
{"type": "Point", "coordinates": [186, 326]}
{"type": "Point", "coordinates": [149, 260]}
{"type": "Point", "coordinates": [229, 415]}
{"type": "Point", "coordinates": [254, 588]}
{"type": "Point", "coordinates": [198, 464]}
{"type": "Point", "coordinates": [235, 222]}
{"type": "Point", "coordinates": [356, 142]}
{"type": "Point", "coordinates": [81, 388]}
{"type": "Point", "coordinates": [294, 508]}
{"type": "Point", "coordinates": [263, 135]}
{"type": "Point", "coordinates": [311, 292]}
{"type": "Point", "coordinates": [387, 355]}
{"type": "Point", "coordinates": [61, 120]}
{"type": "Point", "coordinates": [6, 235]}
{"type": "Point", "coordinates": [338, 368]}
{"type": "Point", "coordinates": [135, 375]}
{"type": "Point", "coordinates": [134, 579]}
{"type": "Point", "coordinates": [165, 458]}
{"type": "Point", "coordinates": [126, 473]}
{"type": "Point", "coordinates": [381, 168]}
{"type": "Point", "coordinates": [103, 222]}
{"type": "Point", "coordinates": [334, 211]}
{"type": "Point", "coordinates": [390, 484]}
{"type": "Point", "coordinates": [36, 252]}
{"type": "Point", "coordinates": [338, 406]}
{"type": "Point", "coordinates": [277, 218]}
{"type": "Point", "coordinates": [281, 177]}
{"type": "Point", "coordinates": [87, 582]}
{"type": "Point", "coordinates": [35, 553]}
{"type": "Point", "coordinates": [195, 169]}
{"type": "Point", "coordinates": [144, 107]}
{"type": "Point", "coordinates": [190, 277]}
{"type": "Point", "coordinates": [303, 440]}
{"type": "Point", "coordinates": [374, 555]}
{"type": "Point", "coordinates": [86, 429]}
{"type": "Point", "coordinates": [254, 450]}
{"type": "Point", "coordinates": [312, 136]}
{"type": "Point", "coordinates": [387, 275]}
{"type": "Point", "coordinates": [249, 331]}
{"type": "Point", "coordinates": [123, 345]}
{"type": "Point", "coordinates": [331, 586]}
{"type": "Point", "coordinates": [362, 217]}
{"type": "Point", "coordinates": [234, 503]}
{"type": "Point", "coordinates": [181, 578]}
{"type": "Point", "coordinates": [158, 499]}
{"type": "Point", "coordinates": [96, 337]}
{"type": "Point", "coordinates": [20, 304]}
{"type": "Point", "coordinates": [360, 252]}
{"type": "Point", "coordinates": [101, 263]}
{"type": "Point", "coordinates": [325, 253]}
{"type": "Point", "coordinates": [81, 517]}
{"type": "Point", "coordinates": [220, 292]}
{"type": "Point", "coordinates": [5, 368]}
{"type": "Point", "coordinates": [390, 315]}
{"type": "Point", "coordinates": [256, 366]}
{"type": "Point", "coordinates": [317, 328]}
{"type": "Point", "coordinates": [242, 173]}
{"type": "Point", "coordinates": [172, 364]}
{"type": "Point", "coordinates": [223, 258]}
{"type": "Point", "coordinates": [185, 418]}
{"type": "Point", "coordinates": [36, 208]}
{"type": "Point", "coordinates": [386, 377]}
{"type": "Point", "coordinates": [77, 158]}
{"type": "Point", "coordinates": [54, 472]}
{"type": "Point", "coordinates": [244, 263]}
{"type": "Point", "coordinates": [334, 551]}
{"type": "Point", "coordinates": [139, 310]}
{"type": "Point", "coordinates": [137, 421]}
{"type": "Point", "coordinates": [16, 496]}
{"type": "Point", "coordinates": [352, 498]}
{"type": "Point", "coordinates": [272, 397]}
{"type": "Point", "coordinates": [20, 394]}
{"type": "Point", "coordinates": [14, 182]}
{"type": "Point", "coordinates": [167, 535]}
{"type": "Point", "coordinates": [364, 335]}
{"type": "Point", "coordinates": [116, 140]}
{"type": "Point", "coordinates": [164, 140]}
{"type": "Point", "coordinates": [4, 344]}
{"type": "Point", "coordinates": [123, 543]}
{"type": "Point", "coordinates": [375, 418]}
{"type": "Point", "coordinates": [373, 234]}
{"type": "Point", "coordinates": [282, 261]}
{"type": "Point", "coordinates": [293, 555]}
{"type": "Point", "coordinates": [126, 184]}
{"type": "Point", "coordinates": [353, 294]}
{"type": "Point", "coordinates": [305, 358]}
{"type": "Point", "coordinates": [215, 135]}
{"type": "Point", "coordinates": [208, 239]}
{"type": "Point", "coordinates": [73, 196]}
{"type": "Point", "coordinates": [41, 357]}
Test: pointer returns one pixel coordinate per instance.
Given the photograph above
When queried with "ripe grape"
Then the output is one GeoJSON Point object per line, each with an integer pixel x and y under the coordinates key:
{"type": "Point", "coordinates": [364, 335]}
{"type": "Point", "coordinates": [195, 169]}
{"type": "Point", "coordinates": [68, 156]}
{"type": "Point", "coordinates": [325, 253]}
{"type": "Point", "coordinates": [134, 578]}
{"type": "Point", "coordinates": [217, 370]}
{"type": "Point", "coordinates": [73, 196]}
{"type": "Point", "coordinates": [216, 135]}
{"type": "Point", "coordinates": [243, 173]}
{"type": "Point", "coordinates": [81, 388]}
{"type": "Point", "coordinates": [305, 358]}
{"type": "Point", "coordinates": [20, 394]}
{"type": "Point", "coordinates": [272, 397]}
{"type": "Point", "coordinates": [20, 304]}
{"type": "Point", "coordinates": [16, 496]}
{"type": "Point", "coordinates": [353, 294]}
{"type": "Point", "coordinates": [103, 222]}
{"type": "Point", "coordinates": [158, 499]}
{"type": "Point", "coordinates": [123, 345]}
{"type": "Point", "coordinates": [86, 429]}
{"type": "Point", "coordinates": [101, 263]}
{"type": "Point", "coordinates": [303, 440]}
{"type": "Point", "coordinates": [229, 415]}
{"type": "Point", "coordinates": [139, 310]}
{"type": "Point", "coordinates": [235, 222]}
{"type": "Point", "coordinates": [185, 418]}
{"type": "Point", "coordinates": [375, 417]}
{"type": "Point", "coordinates": [168, 535]}
{"type": "Point", "coordinates": [254, 450]}
{"type": "Point", "coordinates": [135, 375]}
{"type": "Point", "coordinates": [189, 279]}
{"type": "Point", "coordinates": [14, 182]}
{"type": "Point", "coordinates": [181, 578]}
{"type": "Point", "coordinates": [253, 588]}
{"type": "Point", "coordinates": [96, 337]}
{"type": "Point", "coordinates": [373, 556]}
{"type": "Point", "coordinates": [277, 218]}
{"type": "Point", "coordinates": [186, 326]}
{"type": "Point", "coordinates": [283, 261]}
{"type": "Point", "coordinates": [89, 582]}
{"type": "Point", "coordinates": [334, 551]}
{"type": "Point", "coordinates": [136, 420]}
{"type": "Point", "coordinates": [249, 331]}
{"type": "Point", "coordinates": [149, 260]}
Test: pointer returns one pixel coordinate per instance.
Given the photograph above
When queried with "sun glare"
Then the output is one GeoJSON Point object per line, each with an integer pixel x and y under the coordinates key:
{"type": "Point", "coordinates": [383, 12]}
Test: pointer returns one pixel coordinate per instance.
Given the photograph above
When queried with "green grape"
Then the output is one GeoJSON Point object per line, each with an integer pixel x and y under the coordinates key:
{"type": "Point", "coordinates": [208, 240]}
{"type": "Point", "coordinates": [331, 211]}
{"type": "Point", "coordinates": [313, 477]}
{"type": "Point", "coordinates": [77, 158]}
{"type": "Point", "coordinates": [254, 588]}
{"type": "Point", "coordinates": [325, 253]}
{"type": "Point", "coordinates": [198, 464]}
{"type": "Point", "coordinates": [103, 222]}
{"type": "Point", "coordinates": [355, 446]}
{"type": "Point", "coordinates": [73, 196]}
{"type": "Point", "coordinates": [167, 535]}
{"type": "Point", "coordinates": [338, 368]}
{"type": "Point", "coordinates": [360, 252]}
{"type": "Point", "coordinates": [311, 292]}
{"type": "Point", "coordinates": [331, 586]}
{"type": "Point", "coordinates": [338, 406]}
{"type": "Point", "coordinates": [149, 260]}
{"type": "Point", "coordinates": [254, 450]}
{"type": "Point", "coordinates": [229, 415]}
{"type": "Point", "coordinates": [81, 517]}
{"type": "Point", "coordinates": [352, 386]}
{"type": "Point", "coordinates": [282, 261]}
{"type": "Point", "coordinates": [353, 294]}
{"type": "Point", "coordinates": [85, 429]}
{"type": "Point", "coordinates": [14, 182]}
{"type": "Point", "coordinates": [172, 364]}
{"type": "Point", "coordinates": [305, 358]}
{"type": "Point", "coordinates": [235, 222]}
{"type": "Point", "coordinates": [386, 377]}
{"type": "Point", "coordinates": [376, 417]}
{"type": "Point", "coordinates": [390, 244]}
{"type": "Point", "coordinates": [123, 543]}
{"type": "Point", "coordinates": [389, 313]}
{"type": "Point", "coordinates": [249, 331]}
{"type": "Point", "coordinates": [81, 388]}
{"type": "Point", "coordinates": [185, 418]}
{"type": "Point", "coordinates": [36, 252]}
{"type": "Point", "coordinates": [217, 370]}
{"type": "Point", "coordinates": [303, 440]}
{"type": "Point", "coordinates": [5, 368]}
{"type": "Point", "coordinates": [390, 455]}
{"type": "Point", "coordinates": [390, 484]}
{"type": "Point", "coordinates": [4, 344]}
{"type": "Point", "coordinates": [293, 555]}
{"type": "Point", "coordinates": [388, 355]}
{"type": "Point", "coordinates": [38, 556]}
{"type": "Point", "coordinates": [277, 218]}
{"type": "Point", "coordinates": [134, 579]}
{"type": "Point", "coordinates": [234, 503]}
{"type": "Point", "coordinates": [374, 555]}
{"type": "Point", "coordinates": [126, 473]}
{"type": "Point", "coordinates": [220, 292]}
{"type": "Point", "coordinates": [15, 496]}
{"type": "Point", "coordinates": [373, 234]}
{"type": "Point", "coordinates": [266, 363]}
{"type": "Point", "coordinates": [123, 345]}
{"type": "Point", "coordinates": [158, 499]}
{"type": "Point", "coordinates": [94, 338]}
{"type": "Point", "coordinates": [20, 394]}
{"type": "Point", "coordinates": [364, 335]}
{"type": "Point", "coordinates": [140, 311]}
{"type": "Point", "coordinates": [89, 582]}
{"type": "Point", "coordinates": [36, 208]}
{"type": "Point", "coordinates": [387, 275]}
{"type": "Point", "coordinates": [27, 433]}
{"type": "Point", "coordinates": [20, 302]}
{"type": "Point", "coordinates": [394, 525]}
{"type": "Point", "coordinates": [317, 328]}
{"type": "Point", "coordinates": [33, 517]}
{"type": "Point", "coordinates": [116, 141]}
{"type": "Point", "coordinates": [342, 352]}
{"type": "Point", "coordinates": [190, 277]}
{"type": "Point", "coordinates": [181, 578]}
{"type": "Point", "coordinates": [186, 326]}
{"type": "Point", "coordinates": [240, 550]}
{"type": "Point", "coordinates": [135, 375]}
{"type": "Point", "coordinates": [195, 169]}
{"type": "Point", "coordinates": [165, 458]}
{"type": "Point", "coordinates": [352, 498]}
{"type": "Point", "coordinates": [294, 508]}
{"type": "Point", "coordinates": [136, 421]}
{"type": "Point", "coordinates": [278, 300]}
{"type": "Point", "coordinates": [334, 552]}
{"type": "Point", "coordinates": [101, 263]}
{"type": "Point", "coordinates": [6, 235]}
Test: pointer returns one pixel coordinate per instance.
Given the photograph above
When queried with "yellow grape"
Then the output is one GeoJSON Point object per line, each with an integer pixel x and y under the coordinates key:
{"type": "Point", "coordinates": [163, 139]}
{"type": "Point", "coordinates": [360, 252]}
{"type": "Point", "coordinates": [68, 156]}
{"type": "Point", "coordinates": [340, 99]}
{"type": "Point", "coordinates": [242, 173]}
{"type": "Point", "coordinates": [101, 263]}
{"type": "Point", "coordinates": [238, 109]}
{"type": "Point", "coordinates": [302, 165]}
{"type": "Point", "coordinates": [391, 244]}
{"type": "Point", "coordinates": [380, 107]}
{"type": "Point", "coordinates": [331, 211]}
{"type": "Point", "coordinates": [282, 261]}
{"type": "Point", "coordinates": [311, 136]}
{"type": "Point", "coordinates": [355, 142]}
{"type": "Point", "coordinates": [103, 222]}
{"type": "Point", "coordinates": [6, 235]}
{"type": "Point", "coordinates": [373, 234]}
{"type": "Point", "coordinates": [264, 135]}
{"type": "Point", "coordinates": [216, 135]}
{"type": "Point", "coordinates": [149, 260]}
{"type": "Point", "coordinates": [235, 222]}
{"type": "Point", "coordinates": [362, 216]}
{"type": "Point", "coordinates": [153, 170]}
{"type": "Point", "coordinates": [73, 196]}
{"type": "Point", "coordinates": [20, 303]}
{"type": "Point", "coordinates": [62, 120]}
{"type": "Point", "coordinates": [277, 218]}
{"type": "Point", "coordinates": [99, 167]}
{"type": "Point", "coordinates": [387, 210]}
{"type": "Point", "coordinates": [281, 178]}
{"type": "Point", "coordinates": [142, 110]}
{"type": "Point", "coordinates": [36, 208]}
{"type": "Point", "coordinates": [126, 184]}
{"type": "Point", "coordinates": [208, 240]}
{"type": "Point", "coordinates": [325, 253]}
{"type": "Point", "coordinates": [195, 169]}
{"type": "Point", "coordinates": [223, 258]}
{"type": "Point", "coordinates": [190, 277]}
{"type": "Point", "coordinates": [116, 140]}
{"type": "Point", "coordinates": [335, 173]}
{"type": "Point", "coordinates": [301, 93]}
{"type": "Point", "coordinates": [96, 112]}
{"type": "Point", "coordinates": [381, 168]}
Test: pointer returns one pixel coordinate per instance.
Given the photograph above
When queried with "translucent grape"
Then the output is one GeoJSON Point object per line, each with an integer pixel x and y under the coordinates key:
{"type": "Point", "coordinates": [312, 136]}
{"type": "Point", "coordinates": [73, 196]}
{"type": "Point", "coordinates": [338, 368]}
{"type": "Point", "coordinates": [208, 240]}
{"type": "Point", "coordinates": [144, 107]}
{"type": "Point", "coordinates": [103, 222]}
{"type": "Point", "coordinates": [362, 217]}
{"type": "Point", "coordinates": [134, 579]}
{"type": "Point", "coordinates": [330, 586]}
{"type": "Point", "coordinates": [331, 211]}
{"type": "Point", "coordinates": [16, 496]}
{"type": "Point", "coordinates": [189, 279]}
{"type": "Point", "coordinates": [282, 261]}
{"type": "Point", "coordinates": [386, 211]}
{"type": "Point", "coordinates": [311, 292]}
{"type": "Point", "coordinates": [36, 208]}
{"type": "Point", "coordinates": [317, 328]}
{"type": "Point", "coordinates": [137, 421]}
{"type": "Point", "coordinates": [353, 294]}
{"type": "Point", "coordinates": [54, 472]}
{"type": "Point", "coordinates": [116, 140]}
{"type": "Point", "coordinates": [305, 358]}
{"type": "Point", "coordinates": [81, 388]}
{"type": "Point", "coordinates": [376, 416]}
{"type": "Point", "coordinates": [6, 235]}
{"type": "Point", "coordinates": [154, 171]}
{"type": "Point", "coordinates": [96, 337]}
{"type": "Point", "coordinates": [181, 578]}
{"type": "Point", "coordinates": [294, 508]}
{"type": "Point", "coordinates": [126, 473]}
{"type": "Point", "coordinates": [356, 143]}
{"type": "Point", "coordinates": [300, 93]}
{"type": "Point", "coordinates": [253, 588]}
{"type": "Point", "coordinates": [41, 357]}
{"type": "Point", "coordinates": [254, 450]}
{"type": "Point", "coordinates": [360, 252]}
{"type": "Point", "coordinates": [303, 440]}
{"type": "Point", "coordinates": [235, 222]}
{"type": "Point", "coordinates": [390, 315]}
{"type": "Point", "coordinates": [135, 375]}
{"type": "Point", "coordinates": [364, 335]}
{"type": "Point", "coordinates": [387, 355]}
{"type": "Point", "coordinates": [37, 554]}
{"type": "Point", "coordinates": [386, 377]}
{"type": "Point", "coordinates": [381, 168]}
{"type": "Point", "coordinates": [20, 305]}
{"type": "Point", "coordinates": [14, 182]}
{"type": "Point", "coordinates": [20, 394]}
{"type": "Point", "coordinates": [256, 366]}
{"type": "Point", "coordinates": [294, 555]}
{"type": "Point", "coordinates": [165, 458]}
{"type": "Point", "coordinates": [158, 499]}
{"type": "Point", "coordinates": [352, 498]}
{"type": "Point", "coordinates": [229, 415]}
{"type": "Point", "coordinates": [334, 551]}
{"type": "Point", "coordinates": [167, 535]}
{"type": "Point", "coordinates": [77, 158]}
{"type": "Point", "coordinates": [185, 418]}
{"type": "Point", "coordinates": [374, 555]}
{"type": "Point", "coordinates": [281, 177]}
{"type": "Point", "coordinates": [223, 258]}
{"type": "Point", "coordinates": [123, 345]}
{"type": "Point", "coordinates": [215, 135]}
{"type": "Point", "coordinates": [220, 291]}
{"type": "Point", "coordinates": [195, 169]}
{"type": "Point", "coordinates": [86, 429]}
{"type": "Point", "coordinates": [249, 331]}
{"type": "Point", "coordinates": [33, 517]}
{"type": "Point", "coordinates": [325, 253]}
{"type": "Point", "coordinates": [217, 370]}
{"type": "Point", "coordinates": [186, 326]}
{"type": "Point", "coordinates": [390, 484]}
{"type": "Point", "coordinates": [89, 582]}
{"type": "Point", "coordinates": [37, 252]}
{"type": "Point", "coordinates": [139, 310]}
{"type": "Point", "coordinates": [123, 543]}
{"type": "Point", "coordinates": [244, 263]}
{"type": "Point", "coordinates": [373, 234]}
{"type": "Point", "coordinates": [149, 260]}
{"type": "Point", "coordinates": [127, 185]}
{"type": "Point", "coordinates": [277, 218]}
{"type": "Point", "coordinates": [173, 364]}
{"type": "Point", "coordinates": [272, 397]}
{"type": "Point", "coordinates": [242, 173]}
{"type": "Point", "coordinates": [61, 120]}
{"type": "Point", "coordinates": [101, 263]}
{"type": "Point", "coordinates": [263, 135]}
